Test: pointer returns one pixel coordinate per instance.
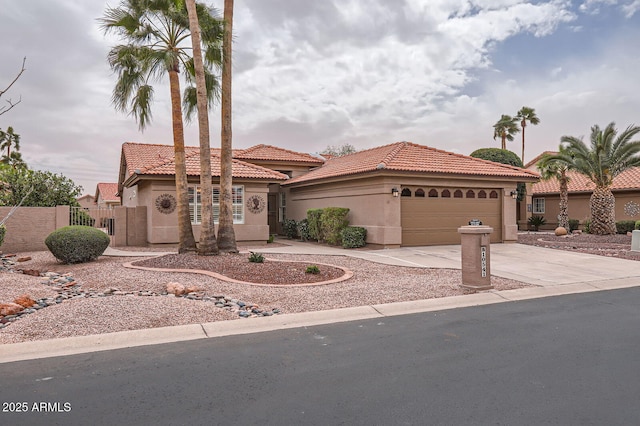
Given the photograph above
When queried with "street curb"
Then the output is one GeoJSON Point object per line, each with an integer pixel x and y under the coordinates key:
{"type": "Point", "coordinates": [153, 336]}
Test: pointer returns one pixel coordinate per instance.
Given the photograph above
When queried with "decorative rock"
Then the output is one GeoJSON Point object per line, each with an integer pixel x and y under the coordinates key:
{"type": "Point", "coordinates": [23, 259]}
{"type": "Point", "coordinates": [32, 272]}
{"type": "Point", "coordinates": [24, 301]}
{"type": "Point", "coordinates": [8, 309]}
{"type": "Point", "coordinates": [560, 230]}
{"type": "Point", "coordinates": [176, 288]}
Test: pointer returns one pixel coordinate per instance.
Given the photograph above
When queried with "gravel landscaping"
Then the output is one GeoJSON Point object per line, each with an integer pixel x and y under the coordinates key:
{"type": "Point", "coordinates": [106, 297]}
{"type": "Point", "coordinates": [603, 245]}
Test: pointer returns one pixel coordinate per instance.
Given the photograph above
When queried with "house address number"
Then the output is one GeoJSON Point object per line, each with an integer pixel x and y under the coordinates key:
{"type": "Point", "coordinates": [483, 260]}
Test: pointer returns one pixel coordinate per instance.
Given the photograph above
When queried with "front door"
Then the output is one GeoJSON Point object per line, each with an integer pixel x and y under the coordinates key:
{"type": "Point", "coordinates": [272, 209]}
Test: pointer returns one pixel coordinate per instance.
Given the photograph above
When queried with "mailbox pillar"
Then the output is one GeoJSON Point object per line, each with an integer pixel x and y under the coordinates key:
{"type": "Point", "coordinates": [475, 247]}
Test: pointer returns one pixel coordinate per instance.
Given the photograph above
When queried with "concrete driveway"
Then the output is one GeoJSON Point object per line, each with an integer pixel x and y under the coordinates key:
{"type": "Point", "coordinates": [533, 265]}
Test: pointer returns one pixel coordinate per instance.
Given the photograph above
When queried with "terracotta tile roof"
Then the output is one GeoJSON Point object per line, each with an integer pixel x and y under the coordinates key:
{"type": "Point", "coordinates": [411, 157]}
{"type": "Point", "coordinates": [535, 160]}
{"type": "Point", "coordinates": [151, 159]}
{"type": "Point", "coordinates": [273, 153]}
{"type": "Point", "coordinates": [107, 191]}
{"type": "Point", "coordinates": [627, 180]}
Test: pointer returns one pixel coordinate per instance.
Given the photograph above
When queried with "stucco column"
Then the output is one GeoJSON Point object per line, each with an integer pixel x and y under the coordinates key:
{"type": "Point", "coordinates": [475, 246]}
{"type": "Point", "coordinates": [509, 222]}
{"type": "Point", "coordinates": [62, 216]}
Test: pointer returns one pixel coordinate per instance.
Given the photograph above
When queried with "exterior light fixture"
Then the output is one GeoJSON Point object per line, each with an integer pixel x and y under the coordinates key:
{"type": "Point", "coordinates": [395, 192]}
{"type": "Point", "coordinates": [514, 194]}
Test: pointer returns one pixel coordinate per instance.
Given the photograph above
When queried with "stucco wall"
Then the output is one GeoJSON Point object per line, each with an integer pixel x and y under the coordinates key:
{"type": "Point", "coordinates": [28, 227]}
{"type": "Point", "coordinates": [163, 228]}
{"type": "Point", "coordinates": [579, 207]}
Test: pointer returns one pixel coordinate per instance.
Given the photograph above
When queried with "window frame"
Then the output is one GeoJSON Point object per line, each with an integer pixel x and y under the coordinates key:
{"type": "Point", "coordinates": [537, 201]}
{"type": "Point", "coordinates": [195, 204]}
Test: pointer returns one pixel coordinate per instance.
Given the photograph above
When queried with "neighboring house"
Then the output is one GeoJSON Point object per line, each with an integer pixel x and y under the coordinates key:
{"type": "Point", "coordinates": [545, 196]}
{"type": "Point", "coordinates": [107, 196]}
{"type": "Point", "coordinates": [403, 193]}
{"type": "Point", "coordinates": [87, 201]}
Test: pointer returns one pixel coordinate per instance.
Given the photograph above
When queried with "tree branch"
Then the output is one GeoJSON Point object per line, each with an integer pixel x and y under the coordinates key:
{"type": "Point", "coordinates": [2, 92]}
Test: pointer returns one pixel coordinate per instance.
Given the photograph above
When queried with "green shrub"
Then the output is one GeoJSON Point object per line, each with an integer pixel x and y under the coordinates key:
{"type": "Point", "coordinates": [313, 218]}
{"type": "Point", "coordinates": [303, 230]}
{"type": "Point", "coordinates": [313, 269]}
{"type": "Point", "coordinates": [271, 238]}
{"type": "Point", "coordinates": [77, 244]}
{"type": "Point", "coordinates": [624, 226]}
{"type": "Point", "coordinates": [256, 257]}
{"type": "Point", "coordinates": [3, 232]}
{"type": "Point", "coordinates": [353, 237]}
{"type": "Point", "coordinates": [573, 224]}
{"type": "Point", "coordinates": [536, 222]}
{"type": "Point", "coordinates": [587, 226]}
{"type": "Point", "coordinates": [332, 221]}
{"type": "Point", "coordinates": [637, 224]}
{"type": "Point", "coordinates": [290, 228]}
{"type": "Point", "coordinates": [80, 217]}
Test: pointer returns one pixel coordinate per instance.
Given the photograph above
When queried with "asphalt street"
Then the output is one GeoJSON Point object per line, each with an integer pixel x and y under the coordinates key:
{"type": "Point", "coordinates": [566, 360]}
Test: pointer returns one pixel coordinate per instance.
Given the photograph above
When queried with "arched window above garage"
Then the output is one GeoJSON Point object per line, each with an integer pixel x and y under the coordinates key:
{"type": "Point", "coordinates": [445, 193]}
{"type": "Point", "coordinates": [433, 193]}
{"type": "Point", "coordinates": [419, 192]}
{"type": "Point", "coordinates": [406, 192]}
{"type": "Point", "coordinates": [457, 194]}
{"type": "Point", "coordinates": [482, 194]}
{"type": "Point", "coordinates": [471, 194]}
{"type": "Point", "coordinates": [493, 194]}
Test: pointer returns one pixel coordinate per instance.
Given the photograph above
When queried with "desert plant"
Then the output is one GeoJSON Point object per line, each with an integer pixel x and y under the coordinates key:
{"type": "Point", "coordinates": [313, 269]}
{"type": "Point", "coordinates": [332, 221]}
{"type": "Point", "coordinates": [536, 222]}
{"type": "Point", "coordinates": [624, 226]}
{"type": "Point", "coordinates": [637, 224]}
{"type": "Point", "coordinates": [303, 230]}
{"type": "Point", "coordinates": [573, 224]}
{"type": "Point", "coordinates": [353, 237]}
{"type": "Point", "coordinates": [290, 227]}
{"type": "Point", "coordinates": [77, 244]}
{"type": "Point", "coordinates": [3, 232]}
{"type": "Point", "coordinates": [256, 257]}
{"type": "Point", "coordinates": [315, 230]}
{"type": "Point", "coordinates": [587, 226]}
{"type": "Point", "coordinates": [271, 238]}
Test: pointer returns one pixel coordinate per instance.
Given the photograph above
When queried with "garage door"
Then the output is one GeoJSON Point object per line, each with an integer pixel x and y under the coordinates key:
{"type": "Point", "coordinates": [432, 216]}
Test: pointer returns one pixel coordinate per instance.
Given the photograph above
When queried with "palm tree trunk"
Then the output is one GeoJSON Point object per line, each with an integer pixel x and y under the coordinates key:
{"type": "Point", "coordinates": [185, 233]}
{"type": "Point", "coordinates": [504, 140]}
{"type": "Point", "coordinates": [523, 124]}
{"type": "Point", "coordinates": [563, 217]}
{"type": "Point", "coordinates": [226, 233]}
{"type": "Point", "coordinates": [603, 219]}
{"type": "Point", "coordinates": [207, 245]}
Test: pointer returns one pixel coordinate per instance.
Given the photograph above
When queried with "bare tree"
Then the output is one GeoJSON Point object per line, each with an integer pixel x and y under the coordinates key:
{"type": "Point", "coordinates": [12, 103]}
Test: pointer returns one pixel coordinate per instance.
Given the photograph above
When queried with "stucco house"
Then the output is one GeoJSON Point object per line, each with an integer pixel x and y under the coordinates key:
{"type": "Point", "coordinates": [403, 193]}
{"type": "Point", "coordinates": [87, 201]}
{"type": "Point", "coordinates": [545, 196]}
{"type": "Point", "coordinates": [107, 195]}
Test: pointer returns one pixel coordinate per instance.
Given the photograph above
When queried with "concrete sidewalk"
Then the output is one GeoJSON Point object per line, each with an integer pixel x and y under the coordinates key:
{"type": "Point", "coordinates": [533, 265]}
{"type": "Point", "coordinates": [553, 272]}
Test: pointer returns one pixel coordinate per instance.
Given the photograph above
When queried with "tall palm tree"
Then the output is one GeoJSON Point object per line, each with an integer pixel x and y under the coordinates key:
{"type": "Point", "coordinates": [9, 140]}
{"type": "Point", "coordinates": [525, 115]}
{"type": "Point", "coordinates": [552, 168]}
{"type": "Point", "coordinates": [505, 129]}
{"type": "Point", "coordinates": [605, 158]}
{"type": "Point", "coordinates": [207, 245]}
{"type": "Point", "coordinates": [226, 233]}
{"type": "Point", "coordinates": [156, 34]}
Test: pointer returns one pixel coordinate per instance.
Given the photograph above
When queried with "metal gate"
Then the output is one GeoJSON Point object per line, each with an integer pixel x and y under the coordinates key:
{"type": "Point", "coordinates": [98, 218]}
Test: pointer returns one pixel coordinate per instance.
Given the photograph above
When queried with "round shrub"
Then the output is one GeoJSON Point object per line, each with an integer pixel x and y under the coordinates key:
{"type": "Point", "coordinates": [77, 244]}
{"type": "Point", "coordinates": [3, 232]}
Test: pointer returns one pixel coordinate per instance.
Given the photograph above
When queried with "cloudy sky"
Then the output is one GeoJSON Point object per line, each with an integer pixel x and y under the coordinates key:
{"type": "Point", "coordinates": [308, 74]}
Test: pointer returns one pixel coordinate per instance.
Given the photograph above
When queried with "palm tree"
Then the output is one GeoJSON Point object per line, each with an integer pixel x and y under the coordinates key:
{"type": "Point", "coordinates": [155, 32]}
{"type": "Point", "coordinates": [552, 168]}
{"type": "Point", "coordinates": [226, 233]}
{"type": "Point", "coordinates": [605, 158]}
{"type": "Point", "coordinates": [526, 114]}
{"type": "Point", "coordinates": [8, 140]}
{"type": "Point", "coordinates": [207, 245]}
{"type": "Point", "coordinates": [505, 129]}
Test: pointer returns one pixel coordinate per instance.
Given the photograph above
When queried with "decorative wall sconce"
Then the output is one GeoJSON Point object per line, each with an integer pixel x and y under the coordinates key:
{"type": "Point", "coordinates": [514, 194]}
{"type": "Point", "coordinates": [395, 192]}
